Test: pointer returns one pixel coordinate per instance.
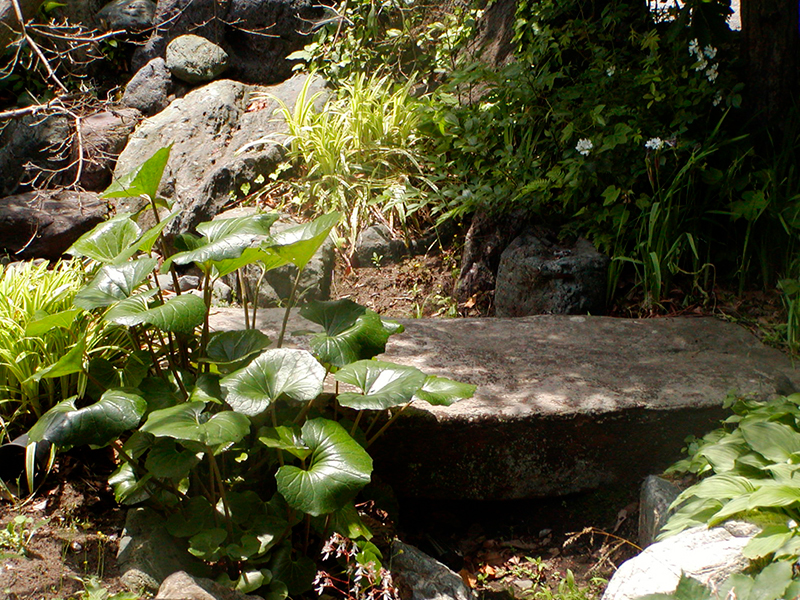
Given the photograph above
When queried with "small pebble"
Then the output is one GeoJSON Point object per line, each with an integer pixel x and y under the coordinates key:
{"type": "Point", "coordinates": [545, 532]}
{"type": "Point", "coordinates": [76, 546]}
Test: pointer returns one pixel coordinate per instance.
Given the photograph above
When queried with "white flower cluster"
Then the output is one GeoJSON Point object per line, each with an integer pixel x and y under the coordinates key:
{"type": "Point", "coordinates": [703, 57]}
{"type": "Point", "coordinates": [365, 580]}
{"type": "Point", "coordinates": [611, 70]}
{"type": "Point", "coordinates": [657, 144]}
{"type": "Point", "coordinates": [584, 146]}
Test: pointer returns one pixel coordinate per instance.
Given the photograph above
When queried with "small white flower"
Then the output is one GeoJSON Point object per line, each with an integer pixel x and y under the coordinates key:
{"type": "Point", "coordinates": [710, 52]}
{"type": "Point", "coordinates": [791, 523]}
{"type": "Point", "coordinates": [717, 98]}
{"type": "Point", "coordinates": [611, 70]}
{"type": "Point", "coordinates": [654, 144]}
{"type": "Point", "coordinates": [584, 146]}
{"type": "Point", "coordinates": [701, 64]}
{"type": "Point", "coordinates": [694, 48]}
{"type": "Point", "coordinates": [712, 73]}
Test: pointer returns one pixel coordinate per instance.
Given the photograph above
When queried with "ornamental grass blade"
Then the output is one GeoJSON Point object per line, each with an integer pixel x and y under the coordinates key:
{"type": "Point", "coordinates": [384, 384]}
{"type": "Point", "coordinates": [114, 283]}
{"type": "Point", "coordinates": [352, 332]}
{"type": "Point", "coordinates": [441, 391]}
{"type": "Point", "coordinates": [231, 350]}
{"type": "Point", "coordinates": [278, 373]}
{"type": "Point", "coordinates": [108, 240]}
{"type": "Point", "coordinates": [298, 244]}
{"type": "Point", "coordinates": [338, 469]}
{"type": "Point", "coordinates": [142, 181]}
{"type": "Point", "coordinates": [65, 426]}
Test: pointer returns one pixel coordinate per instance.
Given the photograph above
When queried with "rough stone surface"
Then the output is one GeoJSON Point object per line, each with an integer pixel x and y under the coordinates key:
{"type": "Point", "coordinates": [44, 224]}
{"type": "Point", "coordinates": [30, 146]}
{"type": "Point", "coordinates": [708, 555]}
{"type": "Point", "coordinates": [209, 129]}
{"type": "Point", "coordinates": [258, 35]}
{"type": "Point", "coordinates": [376, 242]}
{"type": "Point", "coordinates": [194, 59]}
{"type": "Point", "coordinates": [564, 404]}
{"type": "Point", "coordinates": [131, 15]}
{"type": "Point", "coordinates": [182, 586]}
{"type": "Point", "coordinates": [420, 577]}
{"type": "Point", "coordinates": [538, 277]}
{"type": "Point", "coordinates": [148, 554]}
{"type": "Point", "coordinates": [150, 88]}
{"type": "Point", "coordinates": [654, 501]}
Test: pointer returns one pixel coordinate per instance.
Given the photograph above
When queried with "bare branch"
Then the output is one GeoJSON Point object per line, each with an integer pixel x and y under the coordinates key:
{"type": "Point", "coordinates": [35, 47]}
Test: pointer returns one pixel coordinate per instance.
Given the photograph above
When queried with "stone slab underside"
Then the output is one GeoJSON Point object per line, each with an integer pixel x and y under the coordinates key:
{"type": "Point", "coordinates": [564, 404]}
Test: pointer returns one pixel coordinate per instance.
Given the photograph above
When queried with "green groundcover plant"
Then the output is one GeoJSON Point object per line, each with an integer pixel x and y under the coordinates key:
{"type": "Point", "coordinates": [748, 469]}
{"type": "Point", "coordinates": [233, 439]}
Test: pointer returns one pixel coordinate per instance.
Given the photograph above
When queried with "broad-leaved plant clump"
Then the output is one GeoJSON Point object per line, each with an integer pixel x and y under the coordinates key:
{"type": "Point", "coordinates": [230, 436]}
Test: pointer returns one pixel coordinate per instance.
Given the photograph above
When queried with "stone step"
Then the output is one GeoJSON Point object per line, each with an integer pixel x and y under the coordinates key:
{"type": "Point", "coordinates": [564, 404]}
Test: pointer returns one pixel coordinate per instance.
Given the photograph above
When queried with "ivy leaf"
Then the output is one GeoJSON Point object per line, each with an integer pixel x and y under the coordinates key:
{"type": "Point", "coordinates": [338, 469]}
{"type": "Point", "coordinates": [114, 283]}
{"type": "Point", "coordinates": [298, 244]}
{"type": "Point", "coordinates": [281, 372]}
{"type": "Point", "coordinates": [231, 350]}
{"type": "Point", "coordinates": [142, 181]}
{"type": "Point", "coordinates": [384, 384]}
{"type": "Point", "coordinates": [352, 332]}
{"type": "Point", "coordinates": [108, 240]}
{"type": "Point", "coordinates": [65, 426]}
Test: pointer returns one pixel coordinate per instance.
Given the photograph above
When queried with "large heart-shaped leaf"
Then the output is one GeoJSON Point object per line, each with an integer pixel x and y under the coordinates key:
{"type": "Point", "coordinates": [298, 575]}
{"type": "Point", "coordinates": [281, 372]}
{"type": "Point", "coordinates": [229, 247]}
{"type": "Point", "coordinates": [352, 332]}
{"type": "Point", "coordinates": [231, 350]}
{"type": "Point", "coordinates": [114, 283]}
{"type": "Point", "coordinates": [191, 517]}
{"type": "Point", "coordinates": [384, 384]}
{"type": "Point", "coordinates": [142, 181]}
{"type": "Point", "coordinates": [218, 229]}
{"type": "Point", "coordinates": [298, 244]}
{"type": "Point", "coordinates": [108, 240]}
{"type": "Point", "coordinates": [167, 460]}
{"type": "Point", "coordinates": [116, 412]}
{"type": "Point", "coordinates": [179, 314]}
{"type": "Point", "coordinates": [338, 469]}
{"type": "Point", "coordinates": [441, 391]}
{"type": "Point", "coordinates": [248, 257]}
{"type": "Point", "coordinates": [188, 422]}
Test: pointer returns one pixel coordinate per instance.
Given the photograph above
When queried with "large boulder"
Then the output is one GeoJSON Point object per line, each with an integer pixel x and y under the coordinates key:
{"type": "Point", "coordinates": [537, 276]}
{"type": "Point", "coordinates": [709, 556]}
{"type": "Point", "coordinates": [104, 135]}
{"type": "Point", "coordinates": [44, 224]}
{"type": "Point", "coordinates": [32, 146]}
{"type": "Point", "coordinates": [194, 59]}
{"type": "Point", "coordinates": [151, 89]}
{"type": "Point", "coordinates": [212, 131]}
{"type": "Point", "coordinates": [258, 35]}
{"type": "Point", "coordinates": [130, 15]}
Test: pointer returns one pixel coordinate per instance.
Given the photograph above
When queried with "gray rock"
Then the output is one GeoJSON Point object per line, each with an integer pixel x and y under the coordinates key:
{"type": "Point", "coordinates": [376, 243]}
{"type": "Point", "coordinates": [221, 293]}
{"type": "Point", "coordinates": [44, 224]}
{"type": "Point", "coordinates": [150, 88]}
{"type": "Point", "coordinates": [537, 277]}
{"type": "Point", "coordinates": [420, 577]}
{"type": "Point", "coordinates": [212, 133]}
{"type": "Point", "coordinates": [564, 404]}
{"type": "Point", "coordinates": [656, 496]}
{"type": "Point", "coordinates": [708, 555]}
{"type": "Point", "coordinates": [194, 59]}
{"type": "Point", "coordinates": [31, 146]}
{"type": "Point", "coordinates": [104, 135]}
{"type": "Point", "coordinates": [131, 15]}
{"type": "Point", "coordinates": [148, 555]}
{"type": "Point", "coordinates": [182, 586]}
{"type": "Point", "coordinates": [258, 35]}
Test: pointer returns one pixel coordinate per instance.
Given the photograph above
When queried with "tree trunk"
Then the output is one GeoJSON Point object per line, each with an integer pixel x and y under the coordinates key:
{"type": "Point", "coordinates": [770, 44]}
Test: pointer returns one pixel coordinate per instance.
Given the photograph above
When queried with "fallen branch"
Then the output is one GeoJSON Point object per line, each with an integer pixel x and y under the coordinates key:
{"type": "Point", "coordinates": [35, 47]}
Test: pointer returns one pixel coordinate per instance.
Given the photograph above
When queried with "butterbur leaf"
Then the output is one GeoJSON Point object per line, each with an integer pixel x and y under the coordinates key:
{"type": "Point", "coordinates": [440, 391]}
{"type": "Point", "coordinates": [245, 507]}
{"type": "Point", "coordinates": [230, 350]}
{"type": "Point", "coordinates": [298, 575]}
{"type": "Point", "coordinates": [384, 384]}
{"type": "Point", "coordinates": [65, 426]}
{"type": "Point", "coordinates": [188, 422]}
{"type": "Point", "coordinates": [190, 518]}
{"type": "Point", "coordinates": [108, 240]}
{"type": "Point", "coordinates": [338, 469]}
{"type": "Point", "coordinates": [207, 545]}
{"type": "Point", "coordinates": [128, 489]}
{"type": "Point", "coordinates": [352, 332]}
{"type": "Point", "coordinates": [277, 373]}
{"type": "Point", "coordinates": [114, 283]}
{"type": "Point", "coordinates": [142, 181]}
{"type": "Point", "coordinates": [179, 314]}
{"type": "Point", "coordinates": [284, 438]}
{"type": "Point", "coordinates": [298, 244]}
{"type": "Point", "coordinates": [345, 521]}
{"type": "Point", "coordinates": [248, 581]}
{"type": "Point", "coordinates": [217, 229]}
{"type": "Point", "coordinates": [71, 362]}
{"type": "Point", "coordinates": [167, 461]}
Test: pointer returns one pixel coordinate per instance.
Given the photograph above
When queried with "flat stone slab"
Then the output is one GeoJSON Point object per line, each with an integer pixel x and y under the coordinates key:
{"type": "Point", "coordinates": [564, 403]}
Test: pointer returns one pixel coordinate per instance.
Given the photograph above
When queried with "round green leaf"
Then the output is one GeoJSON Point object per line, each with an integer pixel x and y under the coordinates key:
{"type": "Point", "coordinates": [230, 350]}
{"type": "Point", "coordinates": [281, 372]}
{"type": "Point", "coordinates": [107, 240]}
{"type": "Point", "coordinates": [180, 314]}
{"type": "Point", "coordinates": [165, 460]}
{"type": "Point", "coordinates": [338, 469]}
{"type": "Point", "coordinates": [298, 244]}
{"type": "Point", "coordinates": [441, 391]}
{"type": "Point", "coordinates": [384, 384]}
{"type": "Point", "coordinates": [188, 422]}
{"type": "Point", "coordinates": [297, 575]}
